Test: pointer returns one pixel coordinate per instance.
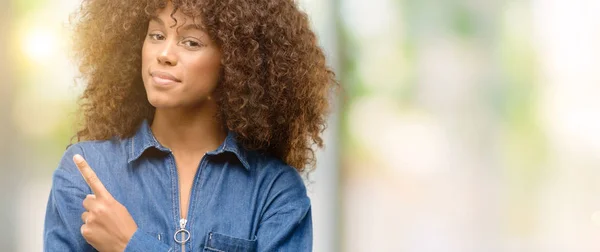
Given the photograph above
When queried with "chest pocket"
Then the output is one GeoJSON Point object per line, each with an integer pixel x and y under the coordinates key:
{"type": "Point", "coordinates": [223, 243]}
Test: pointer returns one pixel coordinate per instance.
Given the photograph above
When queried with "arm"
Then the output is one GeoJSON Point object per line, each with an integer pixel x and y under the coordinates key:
{"type": "Point", "coordinates": [286, 224]}
{"type": "Point", "coordinates": [62, 222]}
{"type": "Point", "coordinates": [62, 228]}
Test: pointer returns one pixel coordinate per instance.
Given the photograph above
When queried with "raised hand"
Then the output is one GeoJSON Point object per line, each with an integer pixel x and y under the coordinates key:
{"type": "Point", "coordinates": [108, 226]}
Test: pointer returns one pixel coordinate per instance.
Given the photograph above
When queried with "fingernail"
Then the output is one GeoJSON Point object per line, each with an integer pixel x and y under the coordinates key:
{"type": "Point", "coordinates": [77, 158]}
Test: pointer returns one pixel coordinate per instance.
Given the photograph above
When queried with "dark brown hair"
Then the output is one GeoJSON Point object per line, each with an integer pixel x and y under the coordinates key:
{"type": "Point", "coordinates": [274, 87]}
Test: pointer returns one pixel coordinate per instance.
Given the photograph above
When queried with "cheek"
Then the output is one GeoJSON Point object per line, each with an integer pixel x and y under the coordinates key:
{"type": "Point", "coordinates": [147, 58]}
{"type": "Point", "coordinates": [145, 54]}
{"type": "Point", "coordinates": [204, 70]}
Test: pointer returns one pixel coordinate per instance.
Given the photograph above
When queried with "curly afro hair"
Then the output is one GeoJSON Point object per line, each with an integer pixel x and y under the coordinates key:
{"type": "Point", "coordinates": [275, 84]}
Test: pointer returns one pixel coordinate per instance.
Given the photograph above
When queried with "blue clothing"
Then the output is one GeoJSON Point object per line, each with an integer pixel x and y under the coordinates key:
{"type": "Point", "coordinates": [240, 200]}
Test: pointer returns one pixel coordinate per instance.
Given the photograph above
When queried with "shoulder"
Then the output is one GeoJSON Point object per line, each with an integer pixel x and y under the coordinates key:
{"type": "Point", "coordinates": [283, 192]}
{"type": "Point", "coordinates": [278, 177]}
{"type": "Point", "coordinates": [105, 157]}
{"type": "Point", "coordinates": [94, 152]}
{"type": "Point", "coordinates": [92, 149]}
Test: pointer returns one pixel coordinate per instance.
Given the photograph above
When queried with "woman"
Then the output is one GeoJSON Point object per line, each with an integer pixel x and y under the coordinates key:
{"type": "Point", "coordinates": [198, 118]}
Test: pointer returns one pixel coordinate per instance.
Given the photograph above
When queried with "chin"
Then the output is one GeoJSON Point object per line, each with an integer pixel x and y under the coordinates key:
{"type": "Point", "coordinates": [160, 102]}
{"type": "Point", "coordinates": [163, 100]}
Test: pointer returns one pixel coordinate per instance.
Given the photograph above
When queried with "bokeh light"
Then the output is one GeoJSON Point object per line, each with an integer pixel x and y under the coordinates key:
{"type": "Point", "coordinates": [39, 44]}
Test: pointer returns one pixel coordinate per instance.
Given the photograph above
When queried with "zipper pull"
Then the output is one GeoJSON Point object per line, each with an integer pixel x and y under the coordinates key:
{"type": "Point", "coordinates": [184, 233]}
{"type": "Point", "coordinates": [182, 223]}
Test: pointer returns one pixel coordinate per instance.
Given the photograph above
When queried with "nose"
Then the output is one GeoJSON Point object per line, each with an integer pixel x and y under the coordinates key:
{"type": "Point", "coordinates": [167, 55]}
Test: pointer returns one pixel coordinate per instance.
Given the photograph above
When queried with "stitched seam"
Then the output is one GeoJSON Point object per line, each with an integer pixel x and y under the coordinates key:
{"type": "Point", "coordinates": [173, 189]}
{"type": "Point", "coordinates": [132, 148]}
{"type": "Point", "coordinates": [130, 159]}
{"type": "Point", "coordinates": [197, 185]}
{"type": "Point", "coordinates": [225, 144]}
{"type": "Point", "coordinates": [213, 249]}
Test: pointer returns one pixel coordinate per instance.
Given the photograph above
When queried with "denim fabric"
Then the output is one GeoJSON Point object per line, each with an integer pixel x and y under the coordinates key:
{"type": "Point", "coordinates": [240, 201]}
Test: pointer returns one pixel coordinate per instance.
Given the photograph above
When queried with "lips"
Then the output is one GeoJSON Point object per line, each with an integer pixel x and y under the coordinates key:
{"type": "Point", "coordinates": [163, 77]}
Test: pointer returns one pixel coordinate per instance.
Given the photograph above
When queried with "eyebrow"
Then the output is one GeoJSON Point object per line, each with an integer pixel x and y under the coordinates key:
{"type": "Point", "coordinates": [184, 28]}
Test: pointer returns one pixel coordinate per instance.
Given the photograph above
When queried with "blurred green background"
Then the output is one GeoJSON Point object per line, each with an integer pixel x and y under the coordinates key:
{"type": "Point", "coordinates": [463, 125]}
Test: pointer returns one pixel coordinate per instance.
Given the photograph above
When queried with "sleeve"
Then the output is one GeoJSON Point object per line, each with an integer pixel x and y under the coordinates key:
{"type": "Point", "coordinates": [286, 224]}
{"type": "Point", "coordinates": [63, 212]}
{"type": "Point", "coordinates": [143, 242]}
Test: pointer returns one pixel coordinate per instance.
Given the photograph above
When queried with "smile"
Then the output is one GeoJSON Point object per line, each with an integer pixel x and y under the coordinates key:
{"type": "Point", "coordinates": [163, 81]}
{"type": "Point", "coordinates": [163, 78]}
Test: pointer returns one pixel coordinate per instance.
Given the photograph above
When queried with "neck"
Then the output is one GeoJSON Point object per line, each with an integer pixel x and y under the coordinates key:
{"type": "Point", "coordinates": [188, 130]}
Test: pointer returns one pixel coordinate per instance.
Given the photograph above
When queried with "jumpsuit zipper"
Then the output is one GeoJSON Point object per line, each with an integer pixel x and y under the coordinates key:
{"type": "Point", "coordinates": [185, 234]}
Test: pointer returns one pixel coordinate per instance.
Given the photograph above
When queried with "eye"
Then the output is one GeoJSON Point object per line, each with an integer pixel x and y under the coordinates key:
{"type": "Point", "coordinates": [191, 43]}
{"type": "Point", "coordinates": [156, 36]}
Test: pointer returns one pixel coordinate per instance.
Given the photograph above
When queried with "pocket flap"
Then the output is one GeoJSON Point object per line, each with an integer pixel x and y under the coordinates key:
{"type": "Point", "coordinates": [220, 242]}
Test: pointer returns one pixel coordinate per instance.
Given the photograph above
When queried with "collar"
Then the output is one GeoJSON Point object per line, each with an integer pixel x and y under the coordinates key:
{"type": "Point", "coordinates": [144, 139]}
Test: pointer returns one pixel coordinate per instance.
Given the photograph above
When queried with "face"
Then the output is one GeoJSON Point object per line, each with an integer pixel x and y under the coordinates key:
{"type": "Point", "coordinates": [180, 64]}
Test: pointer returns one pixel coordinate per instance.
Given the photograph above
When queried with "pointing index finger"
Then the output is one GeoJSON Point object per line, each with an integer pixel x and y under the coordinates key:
{"type": "Point", "coordinates": [90, 176]}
